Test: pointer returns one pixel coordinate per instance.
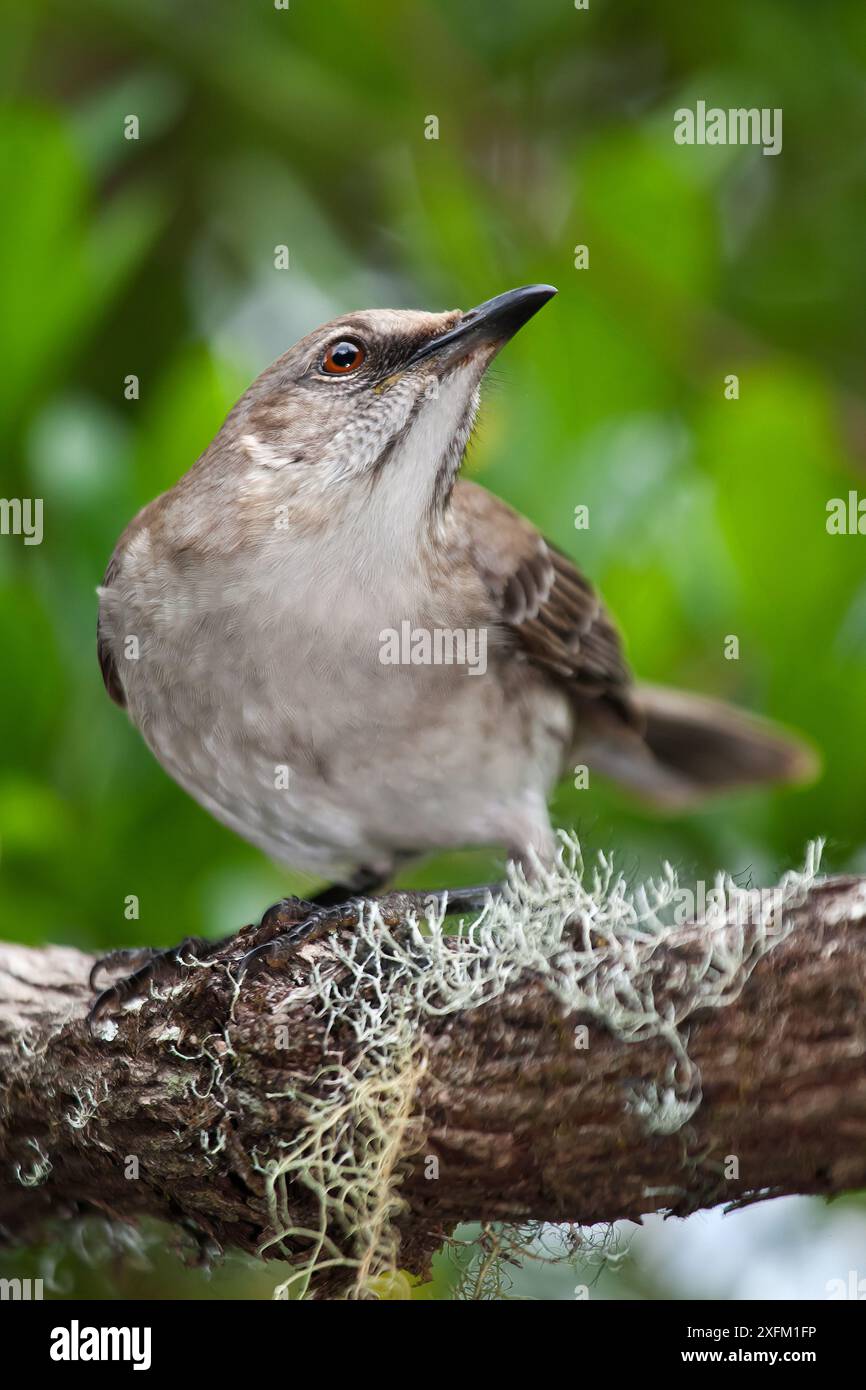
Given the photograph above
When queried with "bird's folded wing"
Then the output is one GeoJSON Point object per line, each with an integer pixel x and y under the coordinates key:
{"type": "Point", "coordinates": [553, 613]}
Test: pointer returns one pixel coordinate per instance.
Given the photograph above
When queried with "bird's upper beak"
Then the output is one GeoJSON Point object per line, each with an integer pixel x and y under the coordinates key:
{"type": "Point", "coordinates": [491, 323]}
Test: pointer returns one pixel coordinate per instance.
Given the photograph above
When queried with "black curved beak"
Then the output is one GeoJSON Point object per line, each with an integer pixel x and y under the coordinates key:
{"type": "Point", "coordinates": [493, 322]}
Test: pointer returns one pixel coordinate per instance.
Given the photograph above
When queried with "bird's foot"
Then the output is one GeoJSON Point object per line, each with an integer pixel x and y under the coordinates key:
{"type": "Point", "coordinates": [286, 927]}
{"type": "Point", "coordinates": [132, 958]}
{"type": "Point", "coordinates": [149, 966]}
{"type": "Point", "coordinates": [288, 938]}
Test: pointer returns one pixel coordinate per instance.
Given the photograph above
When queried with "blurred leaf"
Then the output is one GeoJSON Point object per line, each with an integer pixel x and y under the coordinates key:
{"type": "Point", "coordinates": [58, 267]}
{"type": "Point", "coordinates": [32, 817]}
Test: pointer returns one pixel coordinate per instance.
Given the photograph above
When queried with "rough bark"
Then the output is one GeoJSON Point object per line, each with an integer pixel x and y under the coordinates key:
{"type": "Point", "coordinates": [523, 1124]}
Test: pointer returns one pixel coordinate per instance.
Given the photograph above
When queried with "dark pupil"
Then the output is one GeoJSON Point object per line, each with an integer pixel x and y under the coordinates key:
{"type": "Point", "coordinates": [344, 354]}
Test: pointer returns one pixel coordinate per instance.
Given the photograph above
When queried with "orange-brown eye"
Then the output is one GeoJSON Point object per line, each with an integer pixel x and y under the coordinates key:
{"type": "Point", "coordinates": [342, 357]}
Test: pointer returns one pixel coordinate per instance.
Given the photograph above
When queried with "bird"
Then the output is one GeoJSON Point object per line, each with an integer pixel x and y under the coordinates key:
{"type": "Point", "coordinates": [354, 657]}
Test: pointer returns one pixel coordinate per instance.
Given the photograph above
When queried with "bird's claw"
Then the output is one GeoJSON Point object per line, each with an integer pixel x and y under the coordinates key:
{"type": "Point", "coordinates": [284, 929]}
{"type": "Point", "coordinates": [150, 966]}
{"type": "Point", "coordinates": [133, 958]}
{"type": "Point", "coordinates": [298, 931]}
{"type": "Point", "coordinates": [260, 958]}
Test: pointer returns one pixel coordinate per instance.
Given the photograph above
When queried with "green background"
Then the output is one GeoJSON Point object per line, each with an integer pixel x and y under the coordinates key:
{"type": "Point", "coordinates": [306, 128]}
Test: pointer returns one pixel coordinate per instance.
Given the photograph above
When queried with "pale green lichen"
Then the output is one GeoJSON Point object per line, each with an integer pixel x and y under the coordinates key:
{"type": "Point", "coordinates": [39, 1169]}
{"type": "Point", "coordinates": [86, 1104]}
{"type": "Point", "coordinates": [586, 933]}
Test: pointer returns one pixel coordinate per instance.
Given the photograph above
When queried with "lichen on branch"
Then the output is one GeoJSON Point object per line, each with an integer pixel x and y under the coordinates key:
{"type": "Point", "coordinates": [583, 1051]}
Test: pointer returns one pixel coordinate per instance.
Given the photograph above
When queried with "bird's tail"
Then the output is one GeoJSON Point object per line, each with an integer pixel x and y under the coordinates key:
{"type": "Point", "coordinates": [694, 746]}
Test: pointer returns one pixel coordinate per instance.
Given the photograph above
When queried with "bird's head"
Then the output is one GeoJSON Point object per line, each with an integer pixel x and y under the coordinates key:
{"type": "Point", "coordinates": [366, 418]}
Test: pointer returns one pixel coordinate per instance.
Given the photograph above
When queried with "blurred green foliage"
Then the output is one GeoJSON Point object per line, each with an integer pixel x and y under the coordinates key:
{"type": "Point", "coordinates": [305, 127]}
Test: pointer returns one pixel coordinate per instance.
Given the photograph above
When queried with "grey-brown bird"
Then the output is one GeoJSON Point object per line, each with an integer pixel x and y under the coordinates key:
{"type": "Point", "coordinates": [353, 658]}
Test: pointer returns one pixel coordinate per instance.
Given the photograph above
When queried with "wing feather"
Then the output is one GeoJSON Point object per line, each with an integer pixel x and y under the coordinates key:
{"type": "Point", "coordinates": [551, 610]}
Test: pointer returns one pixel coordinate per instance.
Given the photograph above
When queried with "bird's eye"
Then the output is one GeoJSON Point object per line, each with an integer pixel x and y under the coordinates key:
{"type": "Point", "coordinates": [343, 357]}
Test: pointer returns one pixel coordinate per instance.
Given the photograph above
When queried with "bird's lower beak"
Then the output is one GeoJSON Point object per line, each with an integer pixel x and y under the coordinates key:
{"type": "Point", "coordinates": [490, 324]}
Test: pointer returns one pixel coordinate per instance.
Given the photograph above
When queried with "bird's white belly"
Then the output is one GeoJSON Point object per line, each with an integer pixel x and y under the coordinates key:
{"type": "Point", "coordinates": [329, 761]}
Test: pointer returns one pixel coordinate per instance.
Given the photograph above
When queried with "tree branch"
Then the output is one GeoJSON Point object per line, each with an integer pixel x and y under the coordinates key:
{"type": "Point", "coordinates": [229, 1110]}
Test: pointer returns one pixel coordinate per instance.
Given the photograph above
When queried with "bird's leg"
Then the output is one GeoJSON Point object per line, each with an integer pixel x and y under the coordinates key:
{"type": "Point", "coordinates": [361, 885]}
{"type": "Point", "coordinates": [283, 943]}
{"type": "Point", "coordinates": [288, 912]}
{"type": "Point", "coordinates": [285, 912]}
